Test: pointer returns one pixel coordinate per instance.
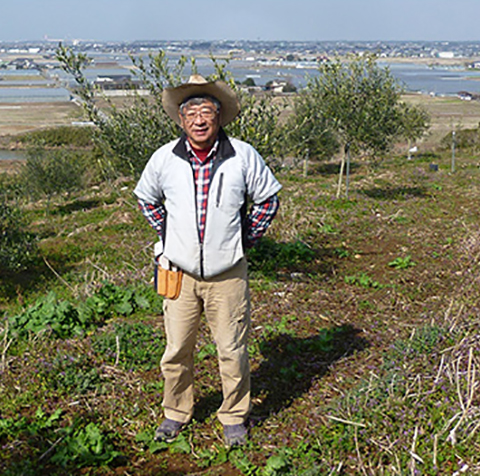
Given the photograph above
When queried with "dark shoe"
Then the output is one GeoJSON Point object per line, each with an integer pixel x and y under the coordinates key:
{"type": "Point", "coordinates": [168, 430]}
{"type": "Point", "coordinates": [235, 435]}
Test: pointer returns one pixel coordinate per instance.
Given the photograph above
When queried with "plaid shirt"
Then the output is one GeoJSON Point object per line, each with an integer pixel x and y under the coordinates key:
{"type": "Point", "coordinates": [258, 220]}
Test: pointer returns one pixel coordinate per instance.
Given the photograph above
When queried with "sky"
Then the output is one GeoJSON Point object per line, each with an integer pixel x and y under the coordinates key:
{"type": "Point", "coordinates": [290, 20]}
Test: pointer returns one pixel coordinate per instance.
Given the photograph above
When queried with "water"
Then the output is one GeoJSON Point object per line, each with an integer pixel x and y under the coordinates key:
{"type": "Point", "coordinates": [414, 77]}
{"type": "Point", "coordinates": [437, 80]}
{"type": "Point", "coordinates": [12, 155]}
{"type": "Point", "coordinates": [16, 95]}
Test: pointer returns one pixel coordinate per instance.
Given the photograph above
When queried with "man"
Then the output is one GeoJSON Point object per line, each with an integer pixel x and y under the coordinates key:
{"type": "Point", "coordinates": [193, 193]}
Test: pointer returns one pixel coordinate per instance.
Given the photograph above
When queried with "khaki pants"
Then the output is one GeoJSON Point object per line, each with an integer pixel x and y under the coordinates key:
{"type": "Point", "coordinates": [226, 304]}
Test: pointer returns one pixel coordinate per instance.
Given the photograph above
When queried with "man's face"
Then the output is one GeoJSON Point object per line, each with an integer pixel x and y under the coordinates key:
{"type": "Point", "coordinates": [201, 123]}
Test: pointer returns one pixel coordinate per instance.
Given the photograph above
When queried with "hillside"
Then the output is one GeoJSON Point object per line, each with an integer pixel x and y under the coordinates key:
{"type": "Point", "coordinates": [364, 344]}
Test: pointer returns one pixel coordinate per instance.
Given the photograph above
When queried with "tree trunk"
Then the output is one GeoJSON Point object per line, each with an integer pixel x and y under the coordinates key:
{"type": "Point", "coordinates": [342, 168]}
{"type": "Point", "coordinates": [347, 176]}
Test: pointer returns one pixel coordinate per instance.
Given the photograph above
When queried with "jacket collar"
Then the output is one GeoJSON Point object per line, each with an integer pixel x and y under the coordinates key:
{"type": "Point", "coordinates": [225, 149]}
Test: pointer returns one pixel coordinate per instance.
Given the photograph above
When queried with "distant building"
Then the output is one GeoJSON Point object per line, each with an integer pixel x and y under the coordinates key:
{"type": "Point", "coordinates": [22, 63]}
{"type": "Point", "coordinates": [280, 86]}
{"type": "Point", "coordinates": [116, 81]}
{"type": "Point", "coordinates": [446, 54]}
{"type": "Point", "coordinates": [467, 96]}
{"type": "Point", "coordinates": [275, 86]}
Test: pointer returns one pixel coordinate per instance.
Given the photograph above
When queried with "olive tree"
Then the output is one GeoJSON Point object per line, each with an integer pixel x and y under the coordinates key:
{"type": "Point", "coordinates": [415, 122]}
{"type": "Point", "coordinates": [360, 103]}
{"type": "Point", "coordinates": [307, 131]}
{"type": "Point", "coordinates": [257, 122]}
{"type": "Point", "coordinates": [127, 136]}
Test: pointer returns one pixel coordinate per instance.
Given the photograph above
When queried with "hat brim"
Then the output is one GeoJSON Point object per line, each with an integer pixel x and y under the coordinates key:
{"type": "Point", "coordinates": [173, 97]}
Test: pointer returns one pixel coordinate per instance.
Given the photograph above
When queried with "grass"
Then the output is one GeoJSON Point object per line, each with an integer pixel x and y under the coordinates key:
{"type": "Point", "coordinates": [364, 346]}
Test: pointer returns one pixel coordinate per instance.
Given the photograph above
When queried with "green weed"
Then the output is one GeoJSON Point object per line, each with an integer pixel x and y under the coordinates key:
{"type": "Point", "coordinates": [206, 351]}
{"type": "Point", "coordinates": [327, 229]}
{"type": "Point", "coordinates": [342, 252]}
{"type": "Point", "coordinates": [70, 373]}
{"type": "Point", "coordinates": [71, 446]}
{"type": "Point", "coordinates": [402, 262]}
{"type": "Point", "coordinates": [147, 439]}
{"type": "Point", "coordinates": [132, 345]}
{"type": "Point", "coordinates": [363, 280]}
{"type": "Point", "coordinates": [84, 446]}
{"type": "Point", "coordinates": [65, 319]}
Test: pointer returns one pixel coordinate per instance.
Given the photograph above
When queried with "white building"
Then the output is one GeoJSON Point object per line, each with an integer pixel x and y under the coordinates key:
{"type": "Point", "coordinates": [446, 54]}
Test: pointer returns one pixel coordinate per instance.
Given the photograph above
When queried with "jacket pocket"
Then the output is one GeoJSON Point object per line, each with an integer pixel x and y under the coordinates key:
{"type": "Point", "coordinates": [219, 190]}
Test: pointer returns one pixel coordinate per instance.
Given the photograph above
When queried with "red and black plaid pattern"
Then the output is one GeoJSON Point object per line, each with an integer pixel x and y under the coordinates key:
{"type": "Point", "coordinates": [260, 217]}
{"type": "Point", "coordinates": [202, 171]}
{"type": "Point", "coordinates": [155, 215]}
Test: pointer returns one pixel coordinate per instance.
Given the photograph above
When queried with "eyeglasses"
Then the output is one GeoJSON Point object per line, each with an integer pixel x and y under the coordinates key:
{"type": "Point", "coordinates": [206, 113]}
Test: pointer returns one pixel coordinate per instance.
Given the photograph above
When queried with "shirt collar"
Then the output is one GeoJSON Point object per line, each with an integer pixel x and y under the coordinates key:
{"type": "Point", "coordinates": [211, 154]}
{"type": "Point", "coordinates": [225, 150]}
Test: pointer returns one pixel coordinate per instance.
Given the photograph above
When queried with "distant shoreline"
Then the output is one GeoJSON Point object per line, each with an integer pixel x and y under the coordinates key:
{"type": "Point", "coordinates": [433, 61]}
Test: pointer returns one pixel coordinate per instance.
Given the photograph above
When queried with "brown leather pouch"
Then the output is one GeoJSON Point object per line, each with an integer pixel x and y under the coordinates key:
{"type": "Point", "coordinates": [168, 283]}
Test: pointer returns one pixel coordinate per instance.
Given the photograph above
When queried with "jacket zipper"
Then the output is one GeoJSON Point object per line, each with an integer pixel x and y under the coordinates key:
{"type": "Point", "coordinates": [202, 274]}
{"type": "Point", "coordinates": [196, 219]}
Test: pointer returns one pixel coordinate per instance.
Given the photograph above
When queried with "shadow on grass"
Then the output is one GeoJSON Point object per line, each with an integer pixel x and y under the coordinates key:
{"type": "Point", "coordinates": [290, 367]}
{"type": "Point", "coordinates": [331, 168]}
{"type": "Point", "coordinates": [396, 193]}
{"type": "Point", "coordinates": [35, 277]}
{"type": "Point", "coordinates": [29, 466]}
{"type": "Point", "coordinates": [77, 205]}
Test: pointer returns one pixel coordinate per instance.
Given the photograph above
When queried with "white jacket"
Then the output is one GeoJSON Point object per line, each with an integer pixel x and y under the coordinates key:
{"type": "Point", "coordinates": [168, 178]}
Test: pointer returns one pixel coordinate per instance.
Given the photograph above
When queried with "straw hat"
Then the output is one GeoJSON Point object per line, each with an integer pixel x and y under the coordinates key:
{"type": "Point", "coordinates": [198, 85]}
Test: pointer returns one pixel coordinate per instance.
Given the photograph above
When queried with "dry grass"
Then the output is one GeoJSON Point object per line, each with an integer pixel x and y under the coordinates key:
{"type": "Point", "coordinates": [447, 114]}
{"type": "Point", "coordinates": [25, 117]}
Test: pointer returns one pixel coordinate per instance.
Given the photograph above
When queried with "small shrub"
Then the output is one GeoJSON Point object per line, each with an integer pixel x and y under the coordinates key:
{"type": "Point", "coordinates": [63, 136]}
{"type": "Point", "coordinates": [47, 173]}
{"type": "Point", "coordinates": [464, 139]}
{"type": "Point", "coordinates": [17, 246]}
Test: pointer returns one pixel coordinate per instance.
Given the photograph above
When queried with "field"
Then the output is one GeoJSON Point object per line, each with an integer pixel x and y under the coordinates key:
{"type": "Point", "coordinates": [364, 342]}
{"type": "Point", "coordinates": [24, 117]}
{"type": "Point", "coordinates": [447, 114]}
